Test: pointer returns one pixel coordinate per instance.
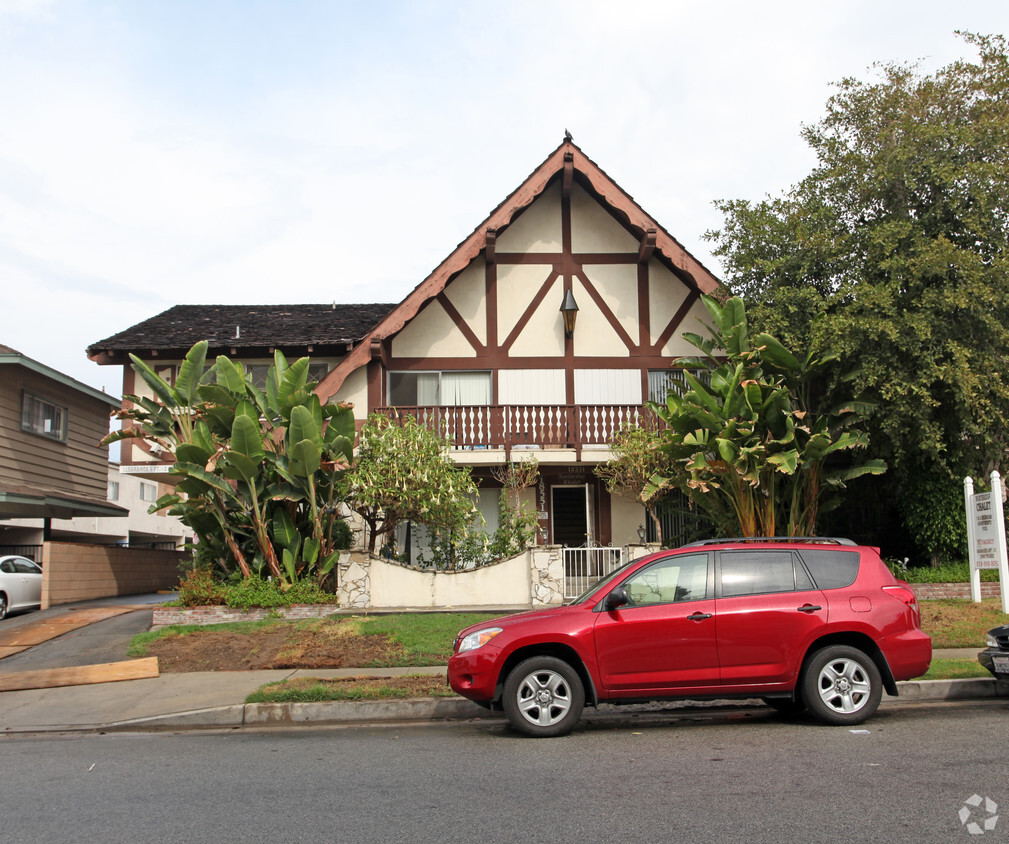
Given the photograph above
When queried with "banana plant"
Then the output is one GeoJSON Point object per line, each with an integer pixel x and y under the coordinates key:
{"type": "Point", "coordinates": [746, 443]}
{"type": "Point", "coordinates": [257, 471]}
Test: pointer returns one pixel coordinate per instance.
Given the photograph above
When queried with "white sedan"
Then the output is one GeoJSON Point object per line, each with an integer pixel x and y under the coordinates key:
{"type": "Point", "coordinates": [20, 584]}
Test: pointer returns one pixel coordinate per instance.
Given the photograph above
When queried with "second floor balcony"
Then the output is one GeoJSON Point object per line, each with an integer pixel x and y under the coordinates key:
{"type": "Point", "coordinates": [527, 427]}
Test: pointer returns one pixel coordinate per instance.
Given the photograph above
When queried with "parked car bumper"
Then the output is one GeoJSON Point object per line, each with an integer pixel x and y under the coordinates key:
{"type": "Point", "coordinates": [996, 661]}
{"type": "Point", "coordinates": [474, 674]}
{"type": "Point", "coordinates": [908, 654]}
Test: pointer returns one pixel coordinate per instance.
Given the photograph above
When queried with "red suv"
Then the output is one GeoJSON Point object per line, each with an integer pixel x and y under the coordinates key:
{"type": "Point", "coordinates": [817, 624]}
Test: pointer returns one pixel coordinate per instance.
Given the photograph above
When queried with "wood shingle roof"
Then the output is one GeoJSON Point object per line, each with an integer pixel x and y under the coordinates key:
{"type": "Point", "coordinates": [249, 329]}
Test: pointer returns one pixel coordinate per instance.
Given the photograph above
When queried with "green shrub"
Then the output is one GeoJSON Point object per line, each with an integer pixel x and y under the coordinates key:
{"type": "Point", "coordinates": [949, 573]}
{"type": "Point", "coordinates": [257, 592]}
{"type": "Point", "coordinates": [199, 589]}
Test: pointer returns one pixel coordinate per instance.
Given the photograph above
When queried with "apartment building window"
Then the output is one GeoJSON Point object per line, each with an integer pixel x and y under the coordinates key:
{"type": "Point", "coordinates": [44, 418]}
{"type": "Point", "coordinates": [148, 492]}
{"type": "Point", "coordinates": [113, 490]}
{"type": "Point", "coordinates": [439, 389]}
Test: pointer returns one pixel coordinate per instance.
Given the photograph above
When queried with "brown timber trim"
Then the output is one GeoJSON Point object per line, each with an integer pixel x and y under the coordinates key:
{"type": "Point", "coordinates": [647, 247]}
{"type": "Point", "coordinates": [529, 311]}
{"type": "Point", "coordinates": [491, 246]}
{"type": "Point", "coordinates": [503, 362]}
{"type": "Point", "coordinates": [569, 174]}
{"type": "Point", "coordinates": [587, 172]}
{"type": "Point", "coordinates": [375, 386]}
{"type": "Point", "coordinates": [611, 318]}
{"type": "Point", "coordinates": [674, 323]}
{"type": "Point", "coordinates": [461, 323]}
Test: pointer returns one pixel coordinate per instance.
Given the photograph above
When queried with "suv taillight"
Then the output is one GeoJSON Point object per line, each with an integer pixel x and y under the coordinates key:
{"type": "Point", "coordinates": [906, 594]}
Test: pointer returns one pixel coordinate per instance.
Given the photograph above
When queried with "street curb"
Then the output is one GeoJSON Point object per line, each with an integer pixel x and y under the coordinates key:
{"type": "Point", "coordinates": [440, 709]}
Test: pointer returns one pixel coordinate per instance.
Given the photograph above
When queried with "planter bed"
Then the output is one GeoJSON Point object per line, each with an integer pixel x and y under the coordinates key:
{"type": "Point", "coordinates": [959, 591]}
{"type": "Point", "coordinates": [164, 616]}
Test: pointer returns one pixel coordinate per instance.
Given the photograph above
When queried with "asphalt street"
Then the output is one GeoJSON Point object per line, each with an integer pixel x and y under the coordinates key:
{"type": "Point", "coordinates": [907, 776]}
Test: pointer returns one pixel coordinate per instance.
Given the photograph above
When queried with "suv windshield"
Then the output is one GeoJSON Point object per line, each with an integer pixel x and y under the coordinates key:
{"type": "Point", "coordinates": [601, 585]}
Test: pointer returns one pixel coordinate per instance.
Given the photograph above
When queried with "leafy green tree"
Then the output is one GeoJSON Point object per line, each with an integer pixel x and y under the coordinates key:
{"type": "Point", "coordinates": [893, 254]}
{"type": "Point", "coordinates": [639, 470]}
{"type": "Point", "coordinates": [257, 471]}
{"type": "Point", "coordinates": [748, 446]}
{"type": "Point", "coordinates": [402, 472]}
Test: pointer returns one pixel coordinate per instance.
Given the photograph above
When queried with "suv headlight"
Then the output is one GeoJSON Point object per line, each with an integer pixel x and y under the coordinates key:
{"type": "Point", "coordinates": [990, 641]}
{"type": "Point", "coordinates": [477, 639]}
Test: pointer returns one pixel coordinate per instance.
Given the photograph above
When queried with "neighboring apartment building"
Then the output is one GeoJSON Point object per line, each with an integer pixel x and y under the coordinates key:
{"type": "Point", "coordinates": [51, 465]}
{"type": "Point", "coordinates": [539, 335]}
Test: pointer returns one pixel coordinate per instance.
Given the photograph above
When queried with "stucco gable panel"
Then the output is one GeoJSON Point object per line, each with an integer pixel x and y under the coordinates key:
{"type": "Point", "coordinates": [666, 293]}
{"type": "Point", "coordinates": [432, 334]}
{"type": "Point", "coordinates": [696, 322]}
{"type": "Point", "coordinates": [538, 229]}
{"type": "Point", "coordinates": [543, 335]}
{"type": "Point", "coordinates": [593, 228]}
{"type": "Point", "coordinates": [594, 335]}
{"type": "Point", "coordinates": [617, 284]}
{"type": "Point", "coordinates": [468, 295]}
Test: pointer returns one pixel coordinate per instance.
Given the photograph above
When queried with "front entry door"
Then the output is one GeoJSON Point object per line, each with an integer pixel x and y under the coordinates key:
{"type": "Point", "coordinates": [570, 515]}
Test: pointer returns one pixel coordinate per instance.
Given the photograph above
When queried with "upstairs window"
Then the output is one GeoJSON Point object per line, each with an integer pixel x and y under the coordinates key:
{"type": "Point", "coordinates": [44, 418]}
{"type": "Point", "coordinates": [662, 382]}
{"type": "Point", "coordinates": [439, 389]}
{"type": "Point", "coordinates": [113, 490]}
{"type": "Point", "coordinates": [148, 492]}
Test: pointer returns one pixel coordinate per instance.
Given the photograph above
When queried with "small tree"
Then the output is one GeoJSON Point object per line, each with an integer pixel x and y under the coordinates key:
{"type": "Point", "coordinates": [751, 449]}
{"type": "Point", "coordinates": [517, 527]}
{"type": "Point", "coordinates": [639, 470]}
{"type": "Point", "coordinates": [402, 473]}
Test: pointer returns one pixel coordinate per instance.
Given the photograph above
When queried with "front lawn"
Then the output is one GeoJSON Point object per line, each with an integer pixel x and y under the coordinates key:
{"type": "Point", "coordinates": [424, 639]}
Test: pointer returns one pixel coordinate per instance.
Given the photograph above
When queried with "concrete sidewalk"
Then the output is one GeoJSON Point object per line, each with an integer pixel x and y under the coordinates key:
{"type": "Point", "coordinates": [216, 699]}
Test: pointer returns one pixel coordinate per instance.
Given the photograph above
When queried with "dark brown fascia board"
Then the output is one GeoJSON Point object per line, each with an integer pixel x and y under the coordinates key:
{"type": "Point", "coordinates": [113, 357]}
{"type": "Point", "coordinates": [603, 186]}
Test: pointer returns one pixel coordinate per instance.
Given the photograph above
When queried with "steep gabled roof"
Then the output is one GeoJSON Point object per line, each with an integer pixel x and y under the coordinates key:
{"type": "Point", "coordinates": [620, 203]}
{"type": "Point", "coordinates": [249, 329]}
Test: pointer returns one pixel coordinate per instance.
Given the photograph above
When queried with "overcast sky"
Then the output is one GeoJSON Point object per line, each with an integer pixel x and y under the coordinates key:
{"type": "Point", "coordinates": [159, 152]}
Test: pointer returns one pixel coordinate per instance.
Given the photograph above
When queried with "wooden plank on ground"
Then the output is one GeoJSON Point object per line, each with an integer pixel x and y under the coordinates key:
{"type": "Point", "coordinates": [80, 675]}
{"type": "Point", "coordinates": [11, 651]}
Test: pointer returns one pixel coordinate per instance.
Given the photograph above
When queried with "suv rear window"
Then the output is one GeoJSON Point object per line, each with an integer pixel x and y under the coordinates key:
{"type": "Point", "coordinates": [831, 569]}
{"type": "Point", "coordinates": [756, 572]}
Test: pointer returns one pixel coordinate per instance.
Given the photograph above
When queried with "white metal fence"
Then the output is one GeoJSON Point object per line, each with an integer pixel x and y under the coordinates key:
{"type": "Point", "coordinates": [585, 566]}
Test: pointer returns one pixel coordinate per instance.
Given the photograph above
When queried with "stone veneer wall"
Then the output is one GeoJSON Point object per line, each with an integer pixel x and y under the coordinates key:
{"type": "Point", "coordinates": [73, 571]}
{"type": "Point", "coordinates": [163, 616]}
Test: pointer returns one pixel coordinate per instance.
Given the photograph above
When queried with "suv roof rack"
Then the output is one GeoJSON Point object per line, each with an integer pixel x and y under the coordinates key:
{"type": "Point", "coordinates": [806, 540]}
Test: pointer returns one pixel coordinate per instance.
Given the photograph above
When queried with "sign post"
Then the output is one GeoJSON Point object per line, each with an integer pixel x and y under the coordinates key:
{"type": "Point", "coordinates": [986, 540]}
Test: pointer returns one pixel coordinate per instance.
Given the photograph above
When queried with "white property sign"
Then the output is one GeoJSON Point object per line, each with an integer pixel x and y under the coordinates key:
{"type": "Point", "coordinates": [986, 539]}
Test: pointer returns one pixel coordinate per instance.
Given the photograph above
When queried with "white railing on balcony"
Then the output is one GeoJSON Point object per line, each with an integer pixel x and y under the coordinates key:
{"type": "Point", "coordinates": [524, 426]}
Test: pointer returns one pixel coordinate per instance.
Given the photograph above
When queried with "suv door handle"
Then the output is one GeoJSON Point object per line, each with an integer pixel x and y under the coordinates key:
{"type": "Point", "coordinates": [809, 608]}
{"type": "Point", "coordinates": [698, 616]}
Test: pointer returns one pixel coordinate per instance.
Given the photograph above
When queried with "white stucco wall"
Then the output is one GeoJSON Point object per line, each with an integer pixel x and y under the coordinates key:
{"type": "Point", "coordinates": [468, 295]}
{"type": "Point", "coordinates": [355, 390]}
{"type": "Point", "coordinates": [593, 229]}
{"type": "Point", "coordinates": [432, 333]}
{"type": "Point", "coordinates": [539, 227]}
{"type": "Point", "coordinates": [393, 585]}
{"type": "Point", "coordinates": [625, 516]}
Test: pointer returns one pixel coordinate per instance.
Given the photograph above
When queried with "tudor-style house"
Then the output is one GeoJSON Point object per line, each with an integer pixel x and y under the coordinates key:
{"type": "Point", "coordinates": [538, 336]}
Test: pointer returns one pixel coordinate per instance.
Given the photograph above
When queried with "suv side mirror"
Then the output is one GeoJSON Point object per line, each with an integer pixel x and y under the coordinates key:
{"type": "Point", "coordinates": [616, 599]}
